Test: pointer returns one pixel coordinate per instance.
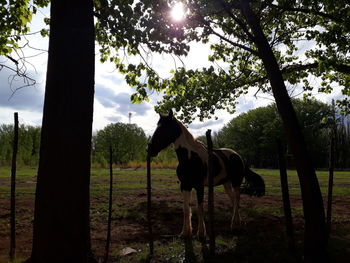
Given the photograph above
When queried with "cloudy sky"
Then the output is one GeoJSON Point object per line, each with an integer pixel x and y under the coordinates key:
{"type": "Point", "coordinates": [112, 94]}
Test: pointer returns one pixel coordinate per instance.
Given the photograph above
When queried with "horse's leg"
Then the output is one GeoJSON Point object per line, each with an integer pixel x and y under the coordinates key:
{"type": "Point", "coordinates": [187, 225]}
{"type": "Point", "coordinates": [200, 211]}
{"type": "Point", "coordinates": [232, 193]}
{"type": "Point", "coordinates": [236, 217]}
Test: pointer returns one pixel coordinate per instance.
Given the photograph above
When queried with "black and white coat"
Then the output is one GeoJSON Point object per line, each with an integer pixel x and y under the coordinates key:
{"type": "Point", "coordinates": [228, 166]}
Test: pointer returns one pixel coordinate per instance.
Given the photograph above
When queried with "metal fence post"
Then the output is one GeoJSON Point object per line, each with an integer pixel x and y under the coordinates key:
{"type": "Point", "coordinates": [210, 193]}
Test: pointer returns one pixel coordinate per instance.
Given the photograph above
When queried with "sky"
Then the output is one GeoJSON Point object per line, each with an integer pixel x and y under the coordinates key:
{"type": "Point", "coordinates": [112, 93]}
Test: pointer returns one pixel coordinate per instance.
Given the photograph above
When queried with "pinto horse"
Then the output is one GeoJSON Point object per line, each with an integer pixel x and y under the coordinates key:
{"type": "Point", "coordinates": [228, 169]}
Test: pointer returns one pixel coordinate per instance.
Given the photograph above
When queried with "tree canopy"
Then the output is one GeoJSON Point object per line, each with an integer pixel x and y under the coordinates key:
{"type": "Point", "coordinates": [308, 38]}
{"type": "Point", "coordinates": [16, 16]}
{"type": "Point", "coordinates": [28, 144]}
{"type": "Point", "coordinates": [128, 142]}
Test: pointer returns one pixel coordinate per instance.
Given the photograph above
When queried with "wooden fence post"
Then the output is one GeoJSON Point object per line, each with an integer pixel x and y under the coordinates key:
{"type": "Point", "coordinates": [149, 205]}
{"type": "Point", "coordinates": [110, 201]}
{"type": "Point", "coordinates": [210, 193]}
{"type": "Point", "coordinates": [330, 186]}
{"type": "Point", "coordinates": [13, 190]}
{"type": "Point", "coordinates": [285, 198]}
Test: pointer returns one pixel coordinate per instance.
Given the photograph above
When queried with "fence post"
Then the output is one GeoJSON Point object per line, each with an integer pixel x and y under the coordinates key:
{"type": "Point", "coordinates": [285, 198]}
{"type": "Point", "coordinates": [210, 193]}
{"type": "Point", "coordinates": [149, 205]}
{"type": "Point", "coordinates": [13, 190]}
{"type": "Point", "coordinates": [330, 186]}
{"type": "Point", "coordinates": [108, 241]}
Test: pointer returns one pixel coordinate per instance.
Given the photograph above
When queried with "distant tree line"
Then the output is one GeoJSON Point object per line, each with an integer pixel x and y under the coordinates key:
{"type": "Point", "coordinates": [253, 134]}
{"type": "Point", "coordinates": [128, 141]}
{"type": "Point", "coordinates": [28, 144]}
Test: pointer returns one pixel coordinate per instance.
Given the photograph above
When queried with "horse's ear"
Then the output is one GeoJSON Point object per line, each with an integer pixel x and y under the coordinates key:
{"type": "Point", "coordinates": [171, 114]}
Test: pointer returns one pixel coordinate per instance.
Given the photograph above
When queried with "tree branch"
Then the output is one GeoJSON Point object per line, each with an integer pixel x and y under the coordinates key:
{"type": "Point", "coordinates": [342, 68]}
{"type": "Point", "coordinates": [308, 11]}
{"type": "Point", "coordinates": [238, 21]}
{"type": "Point", "coordinates": [254, 52]}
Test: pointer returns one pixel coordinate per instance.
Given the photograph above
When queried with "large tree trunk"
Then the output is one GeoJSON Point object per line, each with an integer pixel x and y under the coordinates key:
{"type": "Point", "coordinates": [61, 220]}
{"type": "Point", "coordinates": [315, 228]}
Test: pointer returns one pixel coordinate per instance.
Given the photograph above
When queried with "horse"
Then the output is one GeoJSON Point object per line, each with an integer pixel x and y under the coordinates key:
{"type": "Point", "coordinates": [228, 170]}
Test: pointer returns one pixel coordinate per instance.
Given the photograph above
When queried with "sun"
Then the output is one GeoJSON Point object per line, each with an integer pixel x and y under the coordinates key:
{"type": "Point", "coordinates": [178, 12]}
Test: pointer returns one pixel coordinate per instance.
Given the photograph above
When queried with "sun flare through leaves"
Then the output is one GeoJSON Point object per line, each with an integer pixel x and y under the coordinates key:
{"type": "Point", "coordinates": [178, 12]}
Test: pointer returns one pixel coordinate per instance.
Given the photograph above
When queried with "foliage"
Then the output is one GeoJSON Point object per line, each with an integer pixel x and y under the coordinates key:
{"type": "Point", "coordinates": [15, 16]}
{"type": "Point", "coordinates": [28, 145]}
{"type": "Point", "coordinates": [128, 142]}
{"type": "Point", "coordinates": [308, 38]}
{"type": "Point", "coordinates": [254, 134]}
{"type": "Point", "coordinates": [166, 157]}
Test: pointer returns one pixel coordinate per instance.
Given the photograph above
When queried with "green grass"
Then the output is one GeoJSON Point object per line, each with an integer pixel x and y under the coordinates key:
{"type": "Point", "coordinates": [262, 239]}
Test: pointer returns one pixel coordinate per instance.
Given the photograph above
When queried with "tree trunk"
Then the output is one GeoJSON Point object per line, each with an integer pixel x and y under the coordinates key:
{"type": "Point", "coordinates": [315, 228]}
{"type": "Point", "coordinates": [61, 219]}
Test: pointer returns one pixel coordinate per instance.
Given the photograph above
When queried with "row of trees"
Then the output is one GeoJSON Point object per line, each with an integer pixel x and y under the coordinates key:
{"type": "Point", "coordinates": [253, 134]}
{"type": "Point", "coordinates": [29, 142]}
{"type": "Point", "coordinates": [128, 142]}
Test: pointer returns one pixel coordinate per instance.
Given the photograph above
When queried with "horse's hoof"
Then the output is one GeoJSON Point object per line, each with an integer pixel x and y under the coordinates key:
{"type": "Point", "coordinates": [201, 238]}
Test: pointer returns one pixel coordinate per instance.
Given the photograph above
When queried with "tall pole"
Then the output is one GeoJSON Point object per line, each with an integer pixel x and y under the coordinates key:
{"type": "Point", "coordinates": [285, 197]}
{"type": "Point", "coordinates": [210, 193]}
{"type": "Point", "coordinates": [13, 190]}
{"type": "Point", "coordinates": [149, 205]}
{"type": "Point", "coordinates": [330, 185]}
{"type": "Point", "coordinates": [108, 241]}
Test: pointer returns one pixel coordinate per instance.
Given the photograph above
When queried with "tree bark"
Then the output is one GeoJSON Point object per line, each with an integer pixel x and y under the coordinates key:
{"type": "Point", "coordinates": [315, 228]}
{"type": "Point", "coordinates": [61, 219]}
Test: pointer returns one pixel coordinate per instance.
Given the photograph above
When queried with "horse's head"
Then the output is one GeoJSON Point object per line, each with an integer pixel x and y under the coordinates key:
{"type": "Point", "coordinates": [168, 130]}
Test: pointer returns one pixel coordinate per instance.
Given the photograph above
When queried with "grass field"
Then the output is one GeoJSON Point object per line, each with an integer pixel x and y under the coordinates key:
{"type": "Point", "coordinates": [261, 238]}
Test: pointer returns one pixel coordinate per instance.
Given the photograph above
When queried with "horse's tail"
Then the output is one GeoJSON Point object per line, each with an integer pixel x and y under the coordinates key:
{"type": "Point", "coordinates": [254, 184]}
